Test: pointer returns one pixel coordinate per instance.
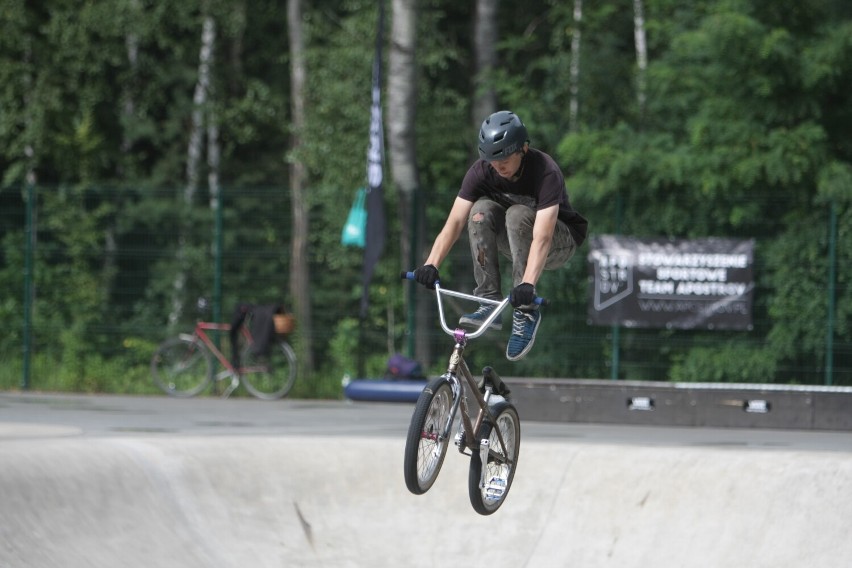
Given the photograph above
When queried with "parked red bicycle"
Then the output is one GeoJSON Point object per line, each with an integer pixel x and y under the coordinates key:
{"type": "Point", "coordinates": [183, 366]}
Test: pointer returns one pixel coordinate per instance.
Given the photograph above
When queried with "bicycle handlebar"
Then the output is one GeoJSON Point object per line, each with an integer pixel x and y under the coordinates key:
{"type": "Point", "coordinates": [408, 275]}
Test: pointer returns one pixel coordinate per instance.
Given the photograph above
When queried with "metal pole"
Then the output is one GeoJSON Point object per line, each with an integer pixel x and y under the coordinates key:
{"type": "Point", "coordinates": [832, 271]}
{"type": "Point", "coordinates": [616, 329]}
{"type": "Point", "coordinates": [412, 262]}
{"type": "Point", "coordinates": [28, 283]}
{"type": "Point", "coordinates": [616, 355]}
{"type": "Point", "coordinates": [217, 270]}
{"type": "Point", "coordinates": [217, 264]}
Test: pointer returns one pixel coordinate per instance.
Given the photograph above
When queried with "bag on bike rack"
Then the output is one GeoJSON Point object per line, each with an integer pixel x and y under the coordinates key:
{"type": "Point", "coordinates": [285, 323]}
{"type": "Point", "coordinates": [263, 328]}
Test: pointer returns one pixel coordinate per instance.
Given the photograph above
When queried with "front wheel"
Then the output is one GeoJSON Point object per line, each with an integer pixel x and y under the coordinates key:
{"type": "Point", "coordinates": [426, 443]}
{"type": "Point", "coordinates": [182, 366]}
{"type": "Point", "coordinates": [489, 492]}
{"type": "Point", "coordinates": [269, 376]}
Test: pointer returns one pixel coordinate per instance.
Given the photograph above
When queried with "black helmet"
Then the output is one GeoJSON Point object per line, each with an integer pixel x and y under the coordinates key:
{"type": "Point", "coordinates": [501, 135]}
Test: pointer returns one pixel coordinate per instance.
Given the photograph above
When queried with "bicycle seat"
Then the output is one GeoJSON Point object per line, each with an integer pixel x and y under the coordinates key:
{"type": "Point", "coordinates": [492, 378]}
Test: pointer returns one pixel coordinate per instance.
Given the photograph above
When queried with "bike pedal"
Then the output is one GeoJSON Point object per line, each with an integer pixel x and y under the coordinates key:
{"type": "Point", "coordinates": [495, 488]}
{"type": "Point", "coordinates": [460, 442]}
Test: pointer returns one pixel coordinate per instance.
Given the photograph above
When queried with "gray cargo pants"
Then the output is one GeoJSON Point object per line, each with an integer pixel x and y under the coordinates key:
{"type": "Point", "coordinates": [494, 230]}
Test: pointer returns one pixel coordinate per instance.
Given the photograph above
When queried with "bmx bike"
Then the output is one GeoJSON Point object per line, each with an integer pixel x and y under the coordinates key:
{"type": "Point", "coordinates": [489, 430]}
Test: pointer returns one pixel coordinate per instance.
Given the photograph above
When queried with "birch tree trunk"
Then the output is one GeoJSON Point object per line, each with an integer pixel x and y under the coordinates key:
{"type": "Point", "coordinates": [576, 37]}
{"type": "Point", "coordinates": [199, 100]}
{"type": "Point", "coordinates": [402, 101]}
{"type": "Point", "coordinates": [485, 48]}
{"type": "Point", "coordinates": [213, 161]}
{"type": "Point", "coordinates": [128, 109]}
{"type": "Point", "coordinates": [131, 44]}
{"type": "Point", "coordinates": [299, 268]}
{"type": "Point", "coordinates": [641, 53]}
{"type": "Point", "coordinates": [193, 158]}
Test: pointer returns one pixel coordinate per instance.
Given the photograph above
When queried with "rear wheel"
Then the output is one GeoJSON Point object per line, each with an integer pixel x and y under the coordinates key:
{"type": "Point", "coordinates": [182, 366]}
{"type": "Point", "coordinates": [426, 443]}
{"type": "Point", "coordinates": [488, 493]}
{"type": "Point", "coordinates": [269, 376]}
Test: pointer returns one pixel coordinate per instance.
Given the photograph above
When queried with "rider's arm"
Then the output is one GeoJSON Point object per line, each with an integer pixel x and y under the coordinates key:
{"type": "Point", "coordinates": [543, 229]}
{"type": "Point", "coordinates": [456, 221]}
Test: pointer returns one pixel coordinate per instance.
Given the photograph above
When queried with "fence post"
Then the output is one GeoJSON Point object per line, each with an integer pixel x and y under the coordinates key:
{"type": "Point", "coordinates": [217, 259]}
{"type": "Point", "coordinates": [28, 283]}
{"type": "Point", "coordinates": [615, 361]}
{"type": "Point", "coordinates": [832, 268]}
{"type": "Point", "coordinates": [411, 320]}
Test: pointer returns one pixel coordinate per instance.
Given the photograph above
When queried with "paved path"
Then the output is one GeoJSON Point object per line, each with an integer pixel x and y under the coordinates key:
{"type": "Point", "coordinates": [95, 481]}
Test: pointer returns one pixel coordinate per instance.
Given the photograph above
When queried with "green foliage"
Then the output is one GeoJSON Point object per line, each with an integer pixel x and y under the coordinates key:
{"type": "Point", "coordinates": [727, 363]}
{"type": "Point", "coordinates": [736, 141]}
{"type": "Point", "coordinates": [743, 133]}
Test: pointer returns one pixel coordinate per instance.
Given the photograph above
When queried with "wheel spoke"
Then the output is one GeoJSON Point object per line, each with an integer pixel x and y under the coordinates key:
{"type": "Point", "coordinates": [489, 483]}
{"type": "Point", "coordinates": [426, 444]}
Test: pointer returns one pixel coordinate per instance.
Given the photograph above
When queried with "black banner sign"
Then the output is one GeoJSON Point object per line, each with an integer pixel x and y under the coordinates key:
{"type": "Point", "coordinates": [681, 284]}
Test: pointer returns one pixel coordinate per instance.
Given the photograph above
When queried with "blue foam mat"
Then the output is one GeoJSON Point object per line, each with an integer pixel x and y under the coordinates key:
{"type": "Point", "coordinates": [382, 390]}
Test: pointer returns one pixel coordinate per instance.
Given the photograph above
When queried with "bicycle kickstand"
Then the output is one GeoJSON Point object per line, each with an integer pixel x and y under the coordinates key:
{"type": "Point", "coordinates": [235, 382]}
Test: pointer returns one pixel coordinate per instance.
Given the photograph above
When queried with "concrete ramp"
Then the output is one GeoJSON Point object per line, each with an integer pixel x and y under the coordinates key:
{"type": "Point", "coordinates": [255, 502]}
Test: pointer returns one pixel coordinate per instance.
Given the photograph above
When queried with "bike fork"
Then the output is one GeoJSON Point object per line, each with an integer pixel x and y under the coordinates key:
{"type": "Point", "coordinates": [484, 446]}
{"type": "Point", "coordinates": [494, 487]}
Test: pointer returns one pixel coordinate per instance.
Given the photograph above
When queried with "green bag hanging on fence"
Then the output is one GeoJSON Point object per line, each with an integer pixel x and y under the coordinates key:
{"type": "Point", "coordinates": [355, 229]}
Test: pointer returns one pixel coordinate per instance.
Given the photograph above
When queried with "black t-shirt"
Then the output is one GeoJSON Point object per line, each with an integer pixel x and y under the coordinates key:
{"type": "Point", "coordinates": [540, 185]}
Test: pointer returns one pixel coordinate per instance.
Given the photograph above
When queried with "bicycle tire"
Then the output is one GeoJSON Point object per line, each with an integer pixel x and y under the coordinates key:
{"type": "Point", "coordinates": [269, 377]}
{"type": "Point", "coordinates": [499, 472]}
{"type": "Point", "coordinates": [182, 366]}
{"type": "Point", "coordinates": [424, 447]}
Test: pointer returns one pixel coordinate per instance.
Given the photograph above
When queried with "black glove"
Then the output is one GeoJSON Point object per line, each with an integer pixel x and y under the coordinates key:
{"type": "Point", "coordinates": [426, 275]}
{"type": "Point", "coordinates": [522, 295]}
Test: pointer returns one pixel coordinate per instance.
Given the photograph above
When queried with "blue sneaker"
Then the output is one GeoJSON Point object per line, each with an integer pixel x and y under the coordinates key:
{"type": "Point", "coordinates": [524, 327]}
{"type": "Point", "coordinates": [475, 319]}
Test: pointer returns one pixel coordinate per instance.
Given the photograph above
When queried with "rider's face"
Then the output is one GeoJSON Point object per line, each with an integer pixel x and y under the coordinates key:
{"type": "Point", "coordinates": [508, 167]}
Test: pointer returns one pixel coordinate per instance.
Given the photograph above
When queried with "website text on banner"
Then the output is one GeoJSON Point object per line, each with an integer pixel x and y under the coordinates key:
{"type": "Point", "coordinates": [661, 283]}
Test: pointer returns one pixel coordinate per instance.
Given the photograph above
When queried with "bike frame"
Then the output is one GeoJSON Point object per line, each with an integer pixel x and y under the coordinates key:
{"type": "Point", "coordinates": [201, 328]}
{"type": "Point", "coordinates": [457, 367]}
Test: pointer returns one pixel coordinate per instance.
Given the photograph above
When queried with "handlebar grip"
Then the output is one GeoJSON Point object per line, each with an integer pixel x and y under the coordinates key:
{"type": "Point", "coordinates": [541, 301]}
{"type": "Point", "coordinates": [407, 275]}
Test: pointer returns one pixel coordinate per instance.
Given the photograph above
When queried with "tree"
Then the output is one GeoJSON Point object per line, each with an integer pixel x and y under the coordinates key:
{"type": "Point", "coordinates": [742, 131]}
{"type": "Point", "coordinates": [193, 157]}
{"type": "Point", "coordinates": [299, 268]}
{"type": "Point", "coordinates": [485, 50]}
{"type": "Point", "coordinates": [576, 42]}
{"type": "Point", "coordinates": [402, 144]}
{"type": "Point", "coordinates": [731, 123]}
{"type": "Point", "coordinates": [641, 52]}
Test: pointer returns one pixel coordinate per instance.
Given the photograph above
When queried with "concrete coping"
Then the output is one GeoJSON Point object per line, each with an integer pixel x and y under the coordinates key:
{"type": "Point", "coordinates": [529, 382]}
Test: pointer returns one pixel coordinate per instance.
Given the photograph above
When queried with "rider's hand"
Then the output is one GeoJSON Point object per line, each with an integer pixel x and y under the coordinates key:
{"type": "Point", "coordinates": [522, 295]}
{"type": "Point", "coordinates": [426, 275]}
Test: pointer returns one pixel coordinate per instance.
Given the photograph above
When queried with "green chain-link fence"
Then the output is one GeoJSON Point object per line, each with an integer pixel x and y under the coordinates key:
{"type": "Point", "coordinates": [93, 279]}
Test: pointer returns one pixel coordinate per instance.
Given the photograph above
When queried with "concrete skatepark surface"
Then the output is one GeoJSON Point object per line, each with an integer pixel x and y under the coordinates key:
{"type": "Point", "coordinates": [158, 482]}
